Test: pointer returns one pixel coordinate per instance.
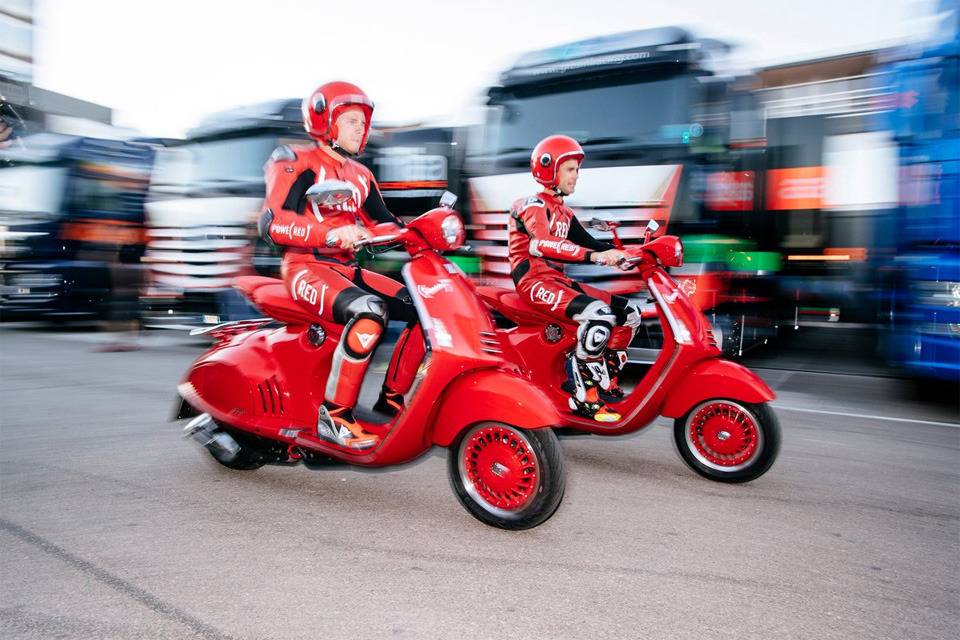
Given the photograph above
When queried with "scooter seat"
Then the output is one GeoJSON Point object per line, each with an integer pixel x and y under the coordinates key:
{"type": "Point", "coordinates": [271, 296]}
{"type": "Point", "coordinates": [509, 303]}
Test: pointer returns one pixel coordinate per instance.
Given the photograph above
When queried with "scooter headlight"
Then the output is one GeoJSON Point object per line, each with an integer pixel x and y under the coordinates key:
{"type": "Point", "coordinates": [452, 230]}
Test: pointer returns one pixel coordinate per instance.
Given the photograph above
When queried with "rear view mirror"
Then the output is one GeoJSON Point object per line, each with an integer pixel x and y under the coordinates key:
{"type": "Point", "coordinates": [329, 193]}
{"type": "Point", "coordinates": [448, 199]}
{"type": "Point", "coordinates": [652, 227]}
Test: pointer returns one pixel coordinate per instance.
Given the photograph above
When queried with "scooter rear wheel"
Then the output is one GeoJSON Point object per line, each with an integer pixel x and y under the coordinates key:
{"type": "Point", "coordinates": [728, 441]}
{"type": "Point", "coordinates": [507, 477]}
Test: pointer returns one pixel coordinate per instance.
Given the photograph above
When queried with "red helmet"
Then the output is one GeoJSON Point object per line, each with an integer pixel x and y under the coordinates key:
{"type": "Point", "coordinates": [550, 154]}
{"type": "Point", "coordinates": [322, 108]}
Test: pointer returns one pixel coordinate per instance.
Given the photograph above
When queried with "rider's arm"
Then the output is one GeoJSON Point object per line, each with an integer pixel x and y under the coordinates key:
{"type": "Point", "coordinates": [376, 208]}
{"type": "Point", "coordinates": [583, 238]}
{"type": "Point", "coordinates": [531, 216]}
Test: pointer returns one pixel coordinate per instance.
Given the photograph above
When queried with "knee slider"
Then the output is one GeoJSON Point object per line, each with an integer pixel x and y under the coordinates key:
{"type": "Point", "coordinates": [596, 323]}
{"type": "Point", "coordinates": [363, 331]}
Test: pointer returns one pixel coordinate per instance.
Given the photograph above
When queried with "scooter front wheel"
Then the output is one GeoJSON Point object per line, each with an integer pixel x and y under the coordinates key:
{"type": "Point", "coordinates": [728, 441]}
{"type": "Point", "coordinates": [507, 477]}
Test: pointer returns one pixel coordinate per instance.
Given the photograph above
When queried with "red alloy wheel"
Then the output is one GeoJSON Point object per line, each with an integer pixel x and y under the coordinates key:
{"type": "Point", "coordinates": [499, 467]}
{"type": "Point", "coordinates": [723, 434]}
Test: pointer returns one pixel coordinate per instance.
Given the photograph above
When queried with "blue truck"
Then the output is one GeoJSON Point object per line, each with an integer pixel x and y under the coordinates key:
{"type": "Point", "coordinates": [924, 338]}
{"type": "Point", "coordinates": [71, 226]}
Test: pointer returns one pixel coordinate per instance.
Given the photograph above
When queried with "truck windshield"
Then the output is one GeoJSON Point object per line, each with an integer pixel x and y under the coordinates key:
{"type": "Point", "coordinates": [32, 189]}
{"type": "Point", "coordinates": [213, 161]}
{"type": "Point", "coordinates": [635, 113]}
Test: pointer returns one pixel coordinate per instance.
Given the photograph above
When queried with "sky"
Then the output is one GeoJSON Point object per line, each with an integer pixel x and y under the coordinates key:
{"type": "Point", "coordinates": [163, 65]}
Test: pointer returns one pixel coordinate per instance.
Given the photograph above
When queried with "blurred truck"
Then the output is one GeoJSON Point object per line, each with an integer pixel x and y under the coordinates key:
{"type": "Point", "coordinates": [208, 190]}
{"type": "Point", "coordinates": [71, 226]}
{"type": "Point", "coordinates": [202, 208]}
{"type": "Point", "coordinates": [782, 182]}
{"type": "Point", "coordinates": [655, 121]}
{"type": "Point", "coordinates": [924, 321]}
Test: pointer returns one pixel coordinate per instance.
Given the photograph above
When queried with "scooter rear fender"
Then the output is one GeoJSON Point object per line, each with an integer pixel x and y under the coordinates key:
{"type": "Point", "coordinates": [491, 395]}
{"type": "Point", "coordinates": [715, 378]}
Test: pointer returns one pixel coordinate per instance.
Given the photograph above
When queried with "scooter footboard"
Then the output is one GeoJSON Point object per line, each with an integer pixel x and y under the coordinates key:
{"type": "Point", "coordinates": [715, 379]}
{"type": "Point", "coordinates": [495, 396]}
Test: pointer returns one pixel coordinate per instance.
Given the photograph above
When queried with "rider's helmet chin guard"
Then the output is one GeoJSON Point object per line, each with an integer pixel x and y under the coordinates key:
{"type": "Point", "coordinates": [549, 154]}
{"type": "Point", "coordinates": [322, 108]}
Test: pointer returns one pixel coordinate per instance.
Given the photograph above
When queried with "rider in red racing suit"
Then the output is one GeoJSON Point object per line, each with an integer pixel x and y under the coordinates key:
{"type": "Point", "coordinates": [544, 233]}
{"type": "Point", "coordinates": [318, 265]}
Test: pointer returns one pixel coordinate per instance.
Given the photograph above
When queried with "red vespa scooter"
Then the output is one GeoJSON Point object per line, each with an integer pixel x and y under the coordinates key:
{"type": "Point", "coordinates": [724, 428]}
{"type": "Point", "coordinates": [256, 392]}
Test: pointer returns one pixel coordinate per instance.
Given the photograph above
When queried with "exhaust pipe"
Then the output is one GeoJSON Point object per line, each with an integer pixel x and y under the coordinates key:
{"type": "Point", "coordinates": [221, 444]}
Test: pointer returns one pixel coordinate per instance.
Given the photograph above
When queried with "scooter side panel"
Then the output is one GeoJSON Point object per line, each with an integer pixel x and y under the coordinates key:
{"type": "Point", "coordinates": [715, 379]}
{"type": "Point", "coordinates": [263, 376]}
{"type": "Point", "coordinates": [491, 395]}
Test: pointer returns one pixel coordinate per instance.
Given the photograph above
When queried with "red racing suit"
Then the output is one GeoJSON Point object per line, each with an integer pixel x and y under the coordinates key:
{"type": "Point", "coordinates": [326, 281]}
{"type": "Point", "coordinates": [544, 234]}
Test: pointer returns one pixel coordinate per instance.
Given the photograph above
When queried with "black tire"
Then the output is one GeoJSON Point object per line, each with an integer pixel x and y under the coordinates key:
{"type": "Point", "coordinates": [507, 477]}
{"type": "Point", "coordinates": [728, 441]}
{"type": "Point", "coordinates": [247, 459]}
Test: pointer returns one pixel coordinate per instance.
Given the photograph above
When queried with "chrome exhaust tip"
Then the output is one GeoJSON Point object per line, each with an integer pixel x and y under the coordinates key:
{"type": "Point", "coordinates": [204, 430]}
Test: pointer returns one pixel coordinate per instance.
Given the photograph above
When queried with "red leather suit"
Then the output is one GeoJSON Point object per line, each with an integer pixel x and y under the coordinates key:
{"type": "Point", "coordinates": [326, 280]}
{"type": "Point", "coordinates": [544, 234]}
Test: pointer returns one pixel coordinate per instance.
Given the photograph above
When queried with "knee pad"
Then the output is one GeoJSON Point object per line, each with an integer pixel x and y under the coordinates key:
{"type": "Point", "coordinates": [596, 323]}
{"type": "Point", "coordinates": [363, 331]}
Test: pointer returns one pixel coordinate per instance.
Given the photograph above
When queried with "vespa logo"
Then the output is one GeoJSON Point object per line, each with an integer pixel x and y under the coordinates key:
{"type": "Point", "coordinates": [442, 285]}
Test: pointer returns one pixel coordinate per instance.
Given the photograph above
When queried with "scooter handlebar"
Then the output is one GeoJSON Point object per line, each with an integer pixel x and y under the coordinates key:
{"type": "Point", "coordinates": [374, 240]}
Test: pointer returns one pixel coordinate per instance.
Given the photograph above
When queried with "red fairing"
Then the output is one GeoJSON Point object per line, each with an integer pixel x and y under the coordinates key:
{"type": "Point", "coordinates": [711, 379]}
{"type": "Point", "coordinates": [490, 396]}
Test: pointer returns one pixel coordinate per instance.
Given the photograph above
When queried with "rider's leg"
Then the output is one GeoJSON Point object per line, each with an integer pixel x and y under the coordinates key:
{"type": "Point", "coordinates": [410, 347]}
{"type": "Point", "coordinates": [559, 297]}
{"type": "Point", "coordinates": [587, 368]}
{"type": "Point", "coordinates": [366, 319]}
{"type": "Point", "coordinates": [406, 359]}
{"type": "Point", "coordinates": [615, 355]}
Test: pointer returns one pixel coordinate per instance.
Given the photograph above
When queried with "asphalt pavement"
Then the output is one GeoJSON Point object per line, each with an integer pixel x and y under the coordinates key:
{"type": "Point", "coordinates": [114, 526]}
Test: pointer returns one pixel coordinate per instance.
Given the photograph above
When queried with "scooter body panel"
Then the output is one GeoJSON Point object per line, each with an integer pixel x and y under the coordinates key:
{"type": "Point", "coordinates": [492, 396]}
{"type": "Point", "coordinates": [709, 379]}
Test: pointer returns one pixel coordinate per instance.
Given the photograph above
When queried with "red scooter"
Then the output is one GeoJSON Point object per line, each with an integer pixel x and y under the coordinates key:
{"type": "Point", "coordinates": [254, 395]}
{"type": "Point", "coordinates": [724, 428]}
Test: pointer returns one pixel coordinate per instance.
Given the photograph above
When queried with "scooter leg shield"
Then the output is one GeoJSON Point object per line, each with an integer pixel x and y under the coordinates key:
{"type": "Point", "coordinates": [495, 396]}
{"type": "Point", "coordinates": [715, 379]}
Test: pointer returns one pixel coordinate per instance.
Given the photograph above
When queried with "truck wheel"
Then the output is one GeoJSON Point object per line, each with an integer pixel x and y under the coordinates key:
{"type": "Point", "coordinates": [507, 477]}
{"type": "Point", "coordinates": [728, 441]}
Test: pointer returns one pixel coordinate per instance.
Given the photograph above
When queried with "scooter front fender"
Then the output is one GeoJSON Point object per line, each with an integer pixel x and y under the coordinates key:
{"type": "Point", "coordinates": [715, 378]}
{"type": "Point", "coordinates": [491, 395]}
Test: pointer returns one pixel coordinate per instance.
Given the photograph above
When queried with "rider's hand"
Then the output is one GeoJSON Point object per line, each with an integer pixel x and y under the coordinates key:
{"type": "Point", "coordinates": [610, 258]}
{"type": "Point", "coordinates": [346, 236]}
